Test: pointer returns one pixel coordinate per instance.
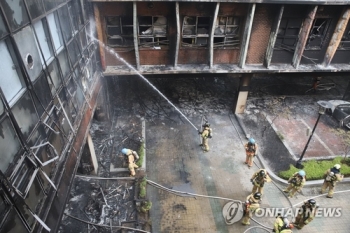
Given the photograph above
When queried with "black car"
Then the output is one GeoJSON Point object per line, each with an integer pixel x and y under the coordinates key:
{"type": "Point", "coordinates": [340, 110]}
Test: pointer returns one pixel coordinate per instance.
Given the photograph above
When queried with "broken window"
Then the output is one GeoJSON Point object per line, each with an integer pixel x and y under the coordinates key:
{"type": "Point", "coordinates": [42, 95]}
{"type": "Point", "coordinates": [65, 24]}
{"type": "Point", "coordinates": [152, 31]}
{"type": "Point", "coordinates": [43, 36]}
{"type": "Point", "coordinates": [25, 114]}
{"type": "Point", "coordinates": [74, 51]}
{"type": "Point", "coordinates": [195, 31]}
{"type": "Point", "coordinates": [317, 34]}
{"type": "Point", "coordinates": [55, 31]}
{"type": "Point", "coordinates": [11, 81]}
{"type": "Point", "coordinates": [36, 8]}
{"type": "Point", "coordinates": [76, 15]}
{"type": "Point", "coordinates": [83, 38]}
{"type": "Point", "coordinates": [64, 64]}
{"type": "Point", "coordinates": [15, 12]}
{"type": "Point", "coordinates": [227, 32]}
{"type": "Point", "coordinates": [288, 33]}
{"type": "Point", "coordinates": [3, 29]}
{"type": "Point", "coordinates": [345, 40]}
{"type": "Point", "coordinates": [9, 142]}
{"type": "Point", "coordinates": [5, 206]}
{"type": "Point", "coordinates": [23, 175]}
{"type": "Point", "coordinates": [54, 78]}
{"type": "Point", "coordinates": [50, 4]}
{"type": "Point", "coordinates": [120, 31]}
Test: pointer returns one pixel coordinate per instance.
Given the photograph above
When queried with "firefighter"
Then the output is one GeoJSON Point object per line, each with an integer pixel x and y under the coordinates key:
{"type": "Point", "coordinates": [296, 183]}
{"type": "Point", "coordinates": [282, 225]}
{"type": "Point", "coordinates": [306, 213]}
{"type": "Point", "coordinates": [258, 180]}
{"type": "Point", "coordinates": [205, 134]}
{"type": "Point", "coordinates": [251, 205]}
{"type": "Point", "coordinates": [251, 150]}
{"type": "Point", "coordinates": [331, 177]}
{"type": "Point", "coordinates": [132, 156]}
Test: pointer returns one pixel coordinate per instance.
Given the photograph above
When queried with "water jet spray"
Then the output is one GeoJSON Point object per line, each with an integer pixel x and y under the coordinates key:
{"type": "Point", "coordinates": [111, 51]}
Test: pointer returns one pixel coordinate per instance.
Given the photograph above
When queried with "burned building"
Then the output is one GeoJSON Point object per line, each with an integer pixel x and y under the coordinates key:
{"type": "Point", "coordinates": [50, 80]}
{"type": "Point", "coordinates": [56, 53]}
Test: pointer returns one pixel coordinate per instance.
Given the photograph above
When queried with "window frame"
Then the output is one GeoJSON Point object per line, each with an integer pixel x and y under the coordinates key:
{"type": "Point", "coordinates": [155, 39]}
{"type": "Point", "coordinates": [322, 37]}
{"type": "Point", "coordinates": [228, 38]}
{"type": "Point", "coordinates": [289, 26]}
{"type": "Point", "coordinates": [125, 31]}
{"type": "Point", "coordinates": [196, 38]}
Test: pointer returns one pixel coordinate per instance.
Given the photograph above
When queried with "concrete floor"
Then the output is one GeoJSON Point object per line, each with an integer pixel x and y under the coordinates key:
{"type": "Point", "coordinates": [176, 161]}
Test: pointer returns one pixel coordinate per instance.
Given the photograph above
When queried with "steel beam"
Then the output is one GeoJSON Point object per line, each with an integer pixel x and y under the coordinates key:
{"type": "Point", "coordinates": [337, 36]}
{"type": "Point", "coordinates": [303, 36]}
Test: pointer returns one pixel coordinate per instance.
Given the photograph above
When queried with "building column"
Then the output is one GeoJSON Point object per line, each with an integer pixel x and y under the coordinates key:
{"type": "Point", "coordinates": [136, 43]}
{"type": "Point", "coordinates": [242, 94]}
{"type": "Point", "coordinates": [303, 36]}
{"type": "Point", "coordinates": [211, 39]}
{"type": "Point", "coordinates": [337, 36]}
{"type": "Point", "coordinates": [178, 33]}
{"type": "Point", "coordinates": [273, 37]}
{"type": "Point", "coordinates": [246, 35]}
{"type": "Point", "coordinates": [100, 35]}
{"type": "Point", "coordinates": [93, 154]}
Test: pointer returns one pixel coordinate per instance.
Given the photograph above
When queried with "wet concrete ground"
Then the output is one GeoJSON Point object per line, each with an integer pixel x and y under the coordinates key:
{"type": "Point", "coordinates": [175, 160]}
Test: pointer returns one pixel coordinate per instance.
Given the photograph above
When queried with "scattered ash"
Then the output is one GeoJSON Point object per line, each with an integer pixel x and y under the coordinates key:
{"type": "Point", "coordinates": [101, 202]}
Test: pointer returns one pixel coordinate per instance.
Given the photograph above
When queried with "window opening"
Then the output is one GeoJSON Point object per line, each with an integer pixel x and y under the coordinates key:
{"type": "Point", "coordinates": [44, 40]}
{"type": "Point", "coordinates": [3, 29]}
{"type": "Point", "coordinates": [195, 31]}
{"type": "Point", "coordinates": [11, 81]}
{"type": "Point", "coordinates": [152, 31]}
{"type": "Point", "coordinates": [23, 176]}
{"type": "Point", "coordinates": [15, 12]}
{"type": "Point", "coordinates": [120, 31]}
{"type": "Point", "coordinates": [227, 32]}
{"type": "Point", "coordinates": [10, 143]}
{"type": "Point", "coordinates": [5, 207]}
{"type": "Point", "coordinates": [317, 34]}
{"type": "Point", "coordinates": [345, 40]}
{"type": "Point", "coordinates": [55, 31]}
{"type": "Point", "coordinates": [51, 152]}
{"type": "Point", "coordinates": [288, 33]}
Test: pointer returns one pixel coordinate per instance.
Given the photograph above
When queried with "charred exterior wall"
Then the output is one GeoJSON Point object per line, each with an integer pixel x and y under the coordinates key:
{"type": "Point", "coordinates": [218, 36]}
{"type": "Point", "coordinates": [50, 80]}
{"type": "Point", "coordinates": [260, 33]}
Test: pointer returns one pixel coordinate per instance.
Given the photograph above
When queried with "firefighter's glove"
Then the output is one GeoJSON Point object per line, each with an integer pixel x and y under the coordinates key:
{"type": "Point", "coordinates": [251, 180]}
{"type": "Point", "coordinates": [209, 136]}
{"type": "Point", "coordinates": [199, 132]}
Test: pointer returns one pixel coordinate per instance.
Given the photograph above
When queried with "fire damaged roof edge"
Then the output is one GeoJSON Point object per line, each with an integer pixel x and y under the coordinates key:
{"type": "Point", "coordinates": [313, 2]}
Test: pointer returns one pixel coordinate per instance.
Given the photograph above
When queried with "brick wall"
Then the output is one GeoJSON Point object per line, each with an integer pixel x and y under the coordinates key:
{"type": "Point", "coordinates": [226, 56]}
{"type": "Point", "coordinates": [259, 37]}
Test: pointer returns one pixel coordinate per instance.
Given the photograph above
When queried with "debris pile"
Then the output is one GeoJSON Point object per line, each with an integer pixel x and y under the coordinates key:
{"type": "Point", "coordinates": [100, 202]}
